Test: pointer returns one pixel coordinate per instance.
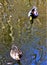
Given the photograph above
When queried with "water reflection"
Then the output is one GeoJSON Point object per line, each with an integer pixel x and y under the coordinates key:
{"type": "Point", "coordinates": [31, 56]}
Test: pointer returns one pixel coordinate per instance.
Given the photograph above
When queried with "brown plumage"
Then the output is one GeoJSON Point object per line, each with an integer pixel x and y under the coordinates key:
{"type": "Point", "coordinates": [15, 53]}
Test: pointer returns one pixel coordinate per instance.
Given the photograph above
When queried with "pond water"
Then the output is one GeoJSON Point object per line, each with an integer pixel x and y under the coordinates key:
{"type": "Point", "coordinates": [31, 39]}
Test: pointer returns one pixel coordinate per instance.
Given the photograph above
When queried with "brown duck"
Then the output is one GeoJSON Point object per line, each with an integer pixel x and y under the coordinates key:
{"type": "Point", "coordinates": [15, 53]}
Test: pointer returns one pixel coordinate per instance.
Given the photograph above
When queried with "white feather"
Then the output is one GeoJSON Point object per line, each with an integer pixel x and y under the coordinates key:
{"type": "Point", "coordinates": [29, 13]}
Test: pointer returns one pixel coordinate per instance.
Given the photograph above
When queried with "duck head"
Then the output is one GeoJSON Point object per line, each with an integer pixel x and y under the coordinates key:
{"type": "Point", "coordinates": [34, 12]}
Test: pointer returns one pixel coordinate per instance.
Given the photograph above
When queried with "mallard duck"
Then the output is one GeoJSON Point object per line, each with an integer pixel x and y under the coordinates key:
{"type": "Point", "coordinates": [15, 53]}
{"type": "Point", "coordinates": [33, 13]}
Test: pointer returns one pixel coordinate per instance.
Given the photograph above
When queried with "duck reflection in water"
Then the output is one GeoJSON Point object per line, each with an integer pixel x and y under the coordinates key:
{"type": "Point", "coordinates": [15, 53]}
